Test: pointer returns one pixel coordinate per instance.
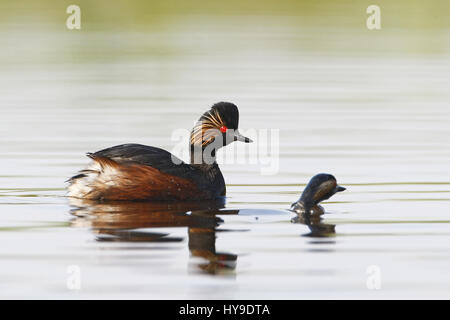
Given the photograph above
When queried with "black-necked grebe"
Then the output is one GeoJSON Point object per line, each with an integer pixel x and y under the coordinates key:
{"type": "Point", "coordinates": [139, 172]}
{"type": "Point", "coordinates": [321, 187]}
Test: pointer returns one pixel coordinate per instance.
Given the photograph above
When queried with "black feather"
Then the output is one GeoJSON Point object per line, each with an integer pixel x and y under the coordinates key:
{"type": "Point", "coordinates": [78, 176]}
{"type": "Point", "coordinates": [146, 155]}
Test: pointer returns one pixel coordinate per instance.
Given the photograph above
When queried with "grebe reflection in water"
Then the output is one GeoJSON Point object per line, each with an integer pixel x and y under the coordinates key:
{"type": "Point", "coordinates": [118, 221]}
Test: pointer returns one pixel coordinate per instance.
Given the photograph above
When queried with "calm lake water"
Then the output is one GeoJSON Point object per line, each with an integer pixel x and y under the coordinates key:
{"type": "Point", "coordinates": [371, 108]}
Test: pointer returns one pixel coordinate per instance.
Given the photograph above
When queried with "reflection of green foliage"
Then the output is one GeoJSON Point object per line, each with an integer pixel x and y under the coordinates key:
{"type": "Point", "coordinates": [42, 226]}
{"type": "Point", "coordinates": [324, 13]}
{"type": "Point", "coordinates": [159, 31]}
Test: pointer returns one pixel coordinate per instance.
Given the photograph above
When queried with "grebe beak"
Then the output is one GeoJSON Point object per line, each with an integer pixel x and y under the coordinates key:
{"type": "Point", "coordinates": [340, 189]}
{"type": "Point", "coordinates": [240, 137]}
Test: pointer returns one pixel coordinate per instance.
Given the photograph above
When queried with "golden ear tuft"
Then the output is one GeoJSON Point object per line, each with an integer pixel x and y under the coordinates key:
{"type": "Point", "coordinates": [207, 128]}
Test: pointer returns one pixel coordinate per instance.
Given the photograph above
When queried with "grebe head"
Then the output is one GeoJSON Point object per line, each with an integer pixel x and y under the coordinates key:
{"type": "Point", "coordinates": [217, 127]}
{"type": "Point", "coordinates": [321, 187]}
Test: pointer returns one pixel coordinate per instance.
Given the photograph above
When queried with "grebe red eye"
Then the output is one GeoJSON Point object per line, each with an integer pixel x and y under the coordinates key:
{"type": "Point", "coordinates": [223, 129]}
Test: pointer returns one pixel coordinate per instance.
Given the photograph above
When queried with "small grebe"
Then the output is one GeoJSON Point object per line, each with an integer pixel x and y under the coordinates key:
{"type": "Point", "coordinates": [139, 172]}
{"type": "Point", "coordinates": [321, 187]}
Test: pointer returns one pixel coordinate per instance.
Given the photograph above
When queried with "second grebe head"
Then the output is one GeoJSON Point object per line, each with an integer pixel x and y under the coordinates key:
{"type": "Point", "coordinates": [321, 187]}
{"type": "Point", "coordinates": [219, 125]}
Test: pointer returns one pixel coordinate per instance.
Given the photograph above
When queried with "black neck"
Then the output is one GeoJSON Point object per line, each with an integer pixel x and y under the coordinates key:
{"type": "Point", "coordinates": [201, 157]}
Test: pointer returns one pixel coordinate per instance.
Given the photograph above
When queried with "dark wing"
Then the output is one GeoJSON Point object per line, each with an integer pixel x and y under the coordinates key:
{"type": "Point", "coordinates": [146, 155]}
